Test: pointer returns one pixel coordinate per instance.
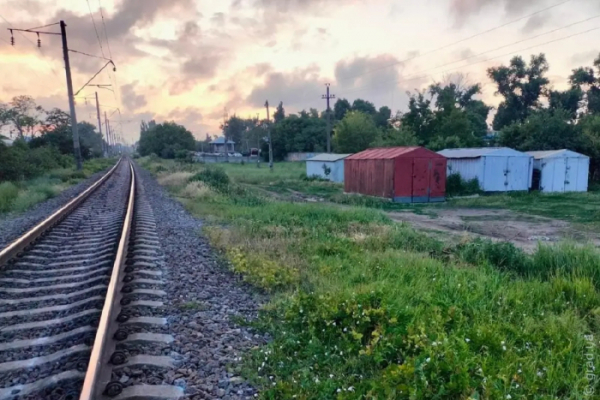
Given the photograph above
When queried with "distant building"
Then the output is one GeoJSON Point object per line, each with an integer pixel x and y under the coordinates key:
{"type": "Point", "coordinates": [327, 166]}
{"type": "Point", "coordinates": [218, 145]}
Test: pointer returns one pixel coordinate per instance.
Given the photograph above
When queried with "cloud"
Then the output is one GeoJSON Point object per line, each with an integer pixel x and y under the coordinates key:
{"type": "Point", "coordinates": [190, 117]}
{"type": "Point", "coordinates": [131, 100]}
{"type": "Point", "coordinates": [462, 10]}
{"type": "Point", "coordinates": [586, 58]}
{"type": "Point", "coordinates": [198, 68]}
{"type": "Point", "coordinates": [376, 78]}
{"type": "Point", "coordinates": [298, 88]}
{"type": "Point", "coordinates": [536, 22]}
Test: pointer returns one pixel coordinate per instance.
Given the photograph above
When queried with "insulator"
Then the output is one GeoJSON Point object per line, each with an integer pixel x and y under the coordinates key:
{"type": "Point", "coordinates": [12, 38]}
{"type": "Point", "coordinates": [39, 41]}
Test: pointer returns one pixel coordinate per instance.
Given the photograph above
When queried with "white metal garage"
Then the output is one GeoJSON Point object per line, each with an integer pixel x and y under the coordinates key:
{"type": "Point", "coordinates": [327, 166]}
{"type": "Point", "coordinates": [498, 169]}
{"type": "Point", "coordinates": [560, 171]}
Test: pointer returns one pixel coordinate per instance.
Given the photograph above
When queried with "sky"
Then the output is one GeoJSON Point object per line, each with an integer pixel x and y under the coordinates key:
{"type": "Point", "coordinates": [195, 61]}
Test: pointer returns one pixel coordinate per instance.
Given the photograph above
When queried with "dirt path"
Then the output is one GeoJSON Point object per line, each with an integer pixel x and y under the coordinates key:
{"type": "Point", "coordinates": [524, 230]}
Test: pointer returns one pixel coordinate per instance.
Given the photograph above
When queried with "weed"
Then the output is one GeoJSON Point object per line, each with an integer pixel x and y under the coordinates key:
{"type": "Point", "coordinates": [8, 195]}
{"type": "Point", "coordinates": [192, 306]}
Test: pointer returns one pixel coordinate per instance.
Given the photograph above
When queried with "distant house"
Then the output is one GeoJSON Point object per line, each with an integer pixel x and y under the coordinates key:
{"type": "Point", "coordinates": [218, 145]}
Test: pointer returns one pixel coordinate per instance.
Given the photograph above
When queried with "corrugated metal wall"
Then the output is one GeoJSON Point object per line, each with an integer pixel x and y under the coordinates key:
{"type": "Point", "coordinates": [468, 168]}
{"type": "Point", "coordinates": [316, 168]}
{"type": "Point", "coordinates": [371, 177]}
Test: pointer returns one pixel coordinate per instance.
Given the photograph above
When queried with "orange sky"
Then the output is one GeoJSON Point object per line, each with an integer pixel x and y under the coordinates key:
{"type": "Point", "coordinates": [188, 60]}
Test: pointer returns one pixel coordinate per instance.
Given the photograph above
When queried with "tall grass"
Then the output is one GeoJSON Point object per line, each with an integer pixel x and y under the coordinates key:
{"type": "Point", "coordinates": [367, 308]}
{"type": "Point", "coordinates": [20, 196]}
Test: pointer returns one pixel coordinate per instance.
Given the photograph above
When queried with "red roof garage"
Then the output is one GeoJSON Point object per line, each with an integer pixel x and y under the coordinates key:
{"type": "Point", "coordinates": [403, 174]}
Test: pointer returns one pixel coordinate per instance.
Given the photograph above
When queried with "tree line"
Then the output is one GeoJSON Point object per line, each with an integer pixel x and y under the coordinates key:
{"type": "Point", "coordinates": [531, 116]}
{"type": "Point", "coordinates": [43, 140]}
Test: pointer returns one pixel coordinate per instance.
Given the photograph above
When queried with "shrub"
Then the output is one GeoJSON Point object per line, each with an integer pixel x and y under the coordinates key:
{"type": "Point", "coordinates": [8, 194]}
{"type": "Point", "coordinates": [502, 255]}
{"type": "Point", "coordinates": [457, 186]}
{"type": "Point", "coordinates": [214, 177]}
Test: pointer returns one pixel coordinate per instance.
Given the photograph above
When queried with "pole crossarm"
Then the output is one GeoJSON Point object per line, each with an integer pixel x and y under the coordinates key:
{"type": "Point", "coordinates": [96, 74]}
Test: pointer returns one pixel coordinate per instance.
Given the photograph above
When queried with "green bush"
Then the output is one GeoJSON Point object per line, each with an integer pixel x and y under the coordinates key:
{"type": "Point", "coordinates": [8, 194]}
{"type": "Point", "coordinates": [214, 177]}
{"type": "Point", "coordinates": [502, 255]}
{"type": "Point", "coordinates": [457, 186]}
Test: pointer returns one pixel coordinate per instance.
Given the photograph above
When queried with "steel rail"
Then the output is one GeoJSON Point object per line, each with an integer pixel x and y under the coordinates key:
{"type": "Point", "coordinates": [95, 380]}
{"type": "Point", "coordinates": [17, 246]}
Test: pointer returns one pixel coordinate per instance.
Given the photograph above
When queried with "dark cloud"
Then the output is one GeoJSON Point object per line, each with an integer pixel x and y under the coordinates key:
{"type": "Point", "coordinates": [586, 58]}
{"type": "Point", "coordinates": [198, 68]}
{"type": "Point", "coordinates": [462, 10]}
{"type": "Point", "coordinates": [296, 89]}
{"type": "Point", "coordinates": [119, 25]}
{"type": "Point", "coordinates": [368, 71]}
{"type": "Point", "coordinates": [131, 100]}
{"type": "Point", "coordinates": [376, 79]}
{"type": "Point", "coordinates": [218, 18]}
{"type": "Point", "coordinates": [536, 22]}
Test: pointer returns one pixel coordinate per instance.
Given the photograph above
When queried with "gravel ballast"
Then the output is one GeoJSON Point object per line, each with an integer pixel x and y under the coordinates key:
{"type": "Point", "coordinates": [13, 225]}
{"type": "Point", "coordinates": [207, 341]}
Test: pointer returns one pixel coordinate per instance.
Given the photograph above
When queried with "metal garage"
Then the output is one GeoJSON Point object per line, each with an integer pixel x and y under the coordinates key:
{"type": "Point", "coordinates": [327, 166]}
{"type": "Point", "coordinates": [403, 174]}
{"type": "Point", "coordinates": [560, 171]}
{"type": "Point", "coordinates": [498, 169]}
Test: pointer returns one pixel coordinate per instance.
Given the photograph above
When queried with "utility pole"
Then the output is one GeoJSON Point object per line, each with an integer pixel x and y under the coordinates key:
{"type": "Point", "coordinates": [100, 126]}
{"type": "Point", "coordinates": [270, 141]}
{"type": "Point", "coordinates": [327, 97]}
{"type": "Point", "coordinates": [225, 118]}
{"type": "Point", "coordinates": [107, 134]}
{"type": "Point", "coordinates": [76, 148]}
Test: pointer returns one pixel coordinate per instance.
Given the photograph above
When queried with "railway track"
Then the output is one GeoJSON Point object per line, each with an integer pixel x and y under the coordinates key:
{"type": "Point", "coordinates": [80, 300]}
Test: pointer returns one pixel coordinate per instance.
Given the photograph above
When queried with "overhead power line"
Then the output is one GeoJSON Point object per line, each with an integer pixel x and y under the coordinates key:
{"type": "Point", "coordinates": [89, 55]}
{"type": "Point", "coordinates": [457, 42]}
{"type": "Point", "coordinates": [425, 75]}
{"type": "Point", "coordinates": [95, 29]}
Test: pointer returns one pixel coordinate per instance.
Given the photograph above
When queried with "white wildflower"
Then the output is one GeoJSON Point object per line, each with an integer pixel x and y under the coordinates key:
{"type": "Point", "coordinates": [467, 340]}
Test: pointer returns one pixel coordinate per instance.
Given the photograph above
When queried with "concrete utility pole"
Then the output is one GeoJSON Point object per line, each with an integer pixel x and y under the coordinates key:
{"type": "Point", "coordinates": [76, 148]}
{"type": "Point", "coordinates": [327, 97]}
{"type": "Point", "coordinates": [225, 118]}
{"type": "Point", "coordinates": [104, 144]}
{"type": "Point", "coordinates": [107, 134]}
{"type": "Point", "coordinates": [269, 132]}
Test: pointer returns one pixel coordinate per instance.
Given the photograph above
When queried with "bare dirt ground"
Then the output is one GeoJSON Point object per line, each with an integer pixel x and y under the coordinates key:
{"type": "Point", "coordinates": [524, 230]}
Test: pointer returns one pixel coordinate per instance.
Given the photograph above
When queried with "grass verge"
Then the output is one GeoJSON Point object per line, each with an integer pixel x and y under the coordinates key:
{"type": "Point", "coordinates": [22, 195]}
{"type": "Point", "coordinates": [364, 308]}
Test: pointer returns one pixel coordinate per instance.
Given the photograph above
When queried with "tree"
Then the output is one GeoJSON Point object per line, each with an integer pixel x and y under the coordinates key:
{"type": "Point", "coordinates": [297, 133]}
{"type": "Point", "coordinates": [383, 116]}
{"type": "Point", "coordinates": [22, 114]}
{"type": "Point", "coordinates": [568, 100]}
{"type": "Point", "coordinates": [391, 137]}
{"type": "Point", "coordinates": [521, 85]}
{"type": "Point", "coordinates": [588, 82]}
{"type": "Point", "coordinates": [279, 113]}
{"type": "Point", "coordinates": [356, 132]}
{"type": "Point", "coordinates": [165, 140]}
{"type": "Point", "coordinates": [234, 129]}
{"type": "Point", "coordinates": [545, 129]}
{"type": "Point", "coordinates": [340, 108]}
{"type": "Point", "coordinates": [419, 117]}
{"type": "Point", "coordinates": [364, 106]}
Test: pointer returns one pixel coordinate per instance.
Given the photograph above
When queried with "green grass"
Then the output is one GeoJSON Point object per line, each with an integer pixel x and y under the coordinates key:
{"type": "Point", "coordinates": [364, 308]}
{"type": "Point", "coordinates": [21, 196]}
{"type": "Point", "coordinates": [574, 207]}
